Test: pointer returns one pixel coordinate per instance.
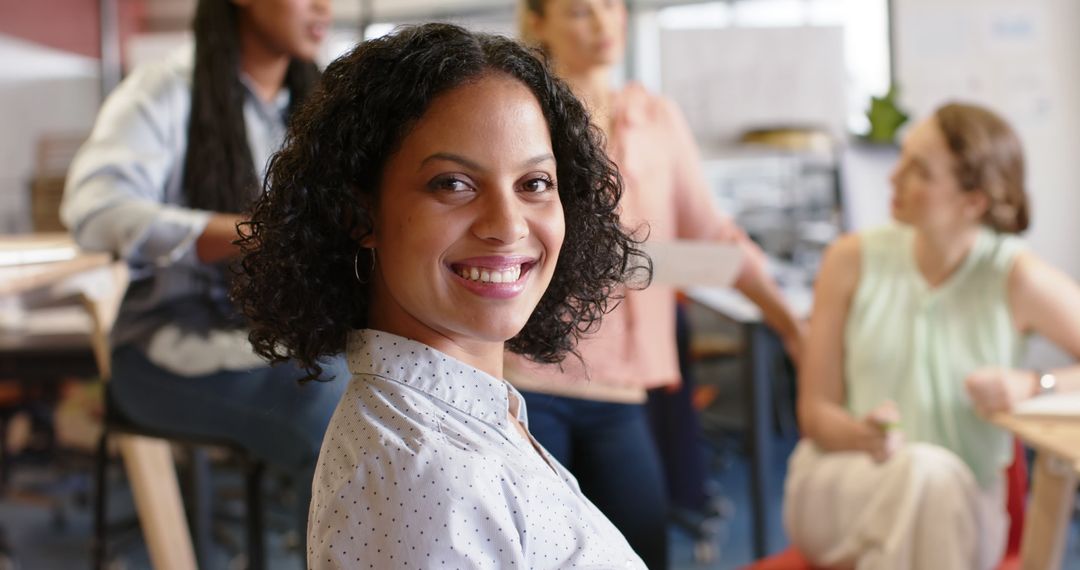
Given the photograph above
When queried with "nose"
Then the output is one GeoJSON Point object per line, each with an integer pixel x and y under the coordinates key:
{"type": "Point", "coordinates": [501, 218]}
{"type": "Point", "coordinates": [599, 23]}
{"type": "Point", "coordinates": [322, 7]}
{"type": "Point", "coordinates": [896, 174]}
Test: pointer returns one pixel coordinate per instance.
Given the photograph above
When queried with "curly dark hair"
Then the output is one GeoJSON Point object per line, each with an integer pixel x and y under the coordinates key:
{"type": "Point", "coordinates": [299, 288]}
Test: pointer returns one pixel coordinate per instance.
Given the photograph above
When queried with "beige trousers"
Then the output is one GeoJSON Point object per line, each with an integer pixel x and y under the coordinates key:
{"type": "Point", "coordinates": [920, 510]}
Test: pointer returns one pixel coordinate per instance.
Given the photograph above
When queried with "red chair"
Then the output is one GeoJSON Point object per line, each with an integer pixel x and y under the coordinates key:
{"type": "Point", "coordinates": [1017, 480]}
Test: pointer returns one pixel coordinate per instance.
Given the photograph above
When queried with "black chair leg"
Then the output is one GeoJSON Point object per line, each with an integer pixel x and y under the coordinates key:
{"type": "Point", "coordinates": [200, 493]}
{"type": "Point", "coordinates": [5, 453]}
{"type": "Point", "coordinates": [255, 514]}
{"type": "Point", "coordinates": [101, 464]}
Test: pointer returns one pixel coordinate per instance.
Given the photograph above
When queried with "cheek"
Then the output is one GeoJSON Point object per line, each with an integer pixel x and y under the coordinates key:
{"type": "Point", "coordinates": [552, 230]}
{"type": "Point", "coordinates": [559, 233]}
{"type": "Point", "coordinates": [618, 22]}
{"type": "Point", "coordinates": [279, 27]}
{"type": "Point", "coordinates": [423, 239]}
{"type": "Point", "coordinates": [917, 195]}
{"type": "Point", "coordinates": [577, 37]}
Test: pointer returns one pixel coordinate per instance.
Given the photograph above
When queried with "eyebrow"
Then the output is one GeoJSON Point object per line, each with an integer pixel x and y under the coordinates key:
{"type": "Point", "coordinates": [473, 165]}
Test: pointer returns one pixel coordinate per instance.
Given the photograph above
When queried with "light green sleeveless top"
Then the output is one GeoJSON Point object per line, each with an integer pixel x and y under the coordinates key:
{"type": "Point", "coordinates": [914, 344]}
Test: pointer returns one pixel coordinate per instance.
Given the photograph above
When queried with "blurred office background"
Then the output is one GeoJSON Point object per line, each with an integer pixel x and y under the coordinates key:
{"type": "Point", "coordinates": [776, 91]}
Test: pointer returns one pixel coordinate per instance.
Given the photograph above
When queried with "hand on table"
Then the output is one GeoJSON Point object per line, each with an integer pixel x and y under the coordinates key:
{"type": "Point", "coordinates": [995, 389]}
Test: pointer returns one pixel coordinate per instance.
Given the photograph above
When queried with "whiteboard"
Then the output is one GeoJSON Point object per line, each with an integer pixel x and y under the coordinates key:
{"type": "Point", "coordinates": [730, 80]}
{"type": "Point", "coordinates": [997, 53]}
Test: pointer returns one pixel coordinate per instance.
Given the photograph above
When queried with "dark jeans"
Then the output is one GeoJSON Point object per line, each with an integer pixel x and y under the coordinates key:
{"type": "Point", "coordinates": [263, 410]}
{"type": "Point", "coordinates": [610, 449]}
{"type": "Point", "coordinates": [677, 429]}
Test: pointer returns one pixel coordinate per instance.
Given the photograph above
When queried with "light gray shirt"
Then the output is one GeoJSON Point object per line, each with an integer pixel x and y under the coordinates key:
{"type": "Point", "coordinates": [421, 467]}
{"type": "Point", "coordinates": [124, 195]}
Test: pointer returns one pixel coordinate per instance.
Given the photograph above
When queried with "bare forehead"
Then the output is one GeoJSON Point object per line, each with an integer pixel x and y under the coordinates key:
{"type": "Point", "coordinates": [926, 142]}
{"type": "Point", "coordinates": [490, 103]}
{"type": "Point", "coordinates": [492, 121]}
{"type": "Point", "coordinates": [487, 88]}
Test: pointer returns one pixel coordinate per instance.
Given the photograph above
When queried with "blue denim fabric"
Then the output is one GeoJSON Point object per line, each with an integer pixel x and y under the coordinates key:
{"type": "Point", "coordinates": [610, 449]}
{"type": "Point", "coordinates": [264, 410]}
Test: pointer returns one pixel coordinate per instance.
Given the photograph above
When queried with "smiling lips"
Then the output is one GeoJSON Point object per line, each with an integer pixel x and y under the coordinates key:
{"type": "Point", "coordinates": [497, 277]}
{"type": "Point", "coordinates": [490, 275]}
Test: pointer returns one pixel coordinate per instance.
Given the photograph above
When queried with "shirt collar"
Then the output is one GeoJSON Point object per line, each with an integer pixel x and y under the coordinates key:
{"type": "Point", "coordinates": [439, 375]}
{"type": "Point", "coordinates": [272, 110]}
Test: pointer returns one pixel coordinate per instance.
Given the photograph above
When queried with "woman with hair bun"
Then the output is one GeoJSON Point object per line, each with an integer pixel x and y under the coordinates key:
{"type": "Point", "coordinates": [916, 338]}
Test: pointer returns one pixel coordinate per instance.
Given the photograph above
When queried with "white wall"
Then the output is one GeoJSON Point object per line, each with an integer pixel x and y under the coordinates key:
{"type": "Point", "coordinates": [1023, 60]}
{"type": "Point", "coordinates": [42, 91]}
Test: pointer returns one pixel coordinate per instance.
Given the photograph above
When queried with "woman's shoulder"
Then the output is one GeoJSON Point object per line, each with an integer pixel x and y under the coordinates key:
{"type": "Point", "coordinates": [842, 262]}
{"type": "Point", "coordinates": [1004, 249]}
{"type": "Point", "coordinates": [885, 244]}
{"type": "Point", "coordinates": [861, 261]}
{"type": "Point", "coordinates": [845, 248]}
{"type": "Point", "coordinates": [162, 80]}
{"type": "Point", "coordinates": [638, 104]}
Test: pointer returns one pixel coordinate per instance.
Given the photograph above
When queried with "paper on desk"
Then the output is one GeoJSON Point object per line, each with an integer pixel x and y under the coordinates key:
{"type": "Point", "coordinates": [694, 263]}
{"type": "Point", "coordinates": [1057, 406]}
{"type": "Point", "coordinates": [32, 249]}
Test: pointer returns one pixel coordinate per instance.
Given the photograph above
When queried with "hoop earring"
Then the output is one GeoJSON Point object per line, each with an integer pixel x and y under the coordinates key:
{"type": "Point", "coordinates": [356, 266]}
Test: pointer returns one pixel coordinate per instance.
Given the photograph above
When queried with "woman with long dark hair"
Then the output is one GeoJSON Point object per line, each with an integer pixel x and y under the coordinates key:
{"type": "Point", "coordinates": [175, 158]}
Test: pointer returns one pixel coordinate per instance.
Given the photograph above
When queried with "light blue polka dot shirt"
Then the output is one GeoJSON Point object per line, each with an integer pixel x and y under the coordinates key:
{"type": "Point", "coordinates": [422, 468]}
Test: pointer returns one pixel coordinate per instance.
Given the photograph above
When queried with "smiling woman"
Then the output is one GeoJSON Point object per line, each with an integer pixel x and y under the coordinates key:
{"type": "Point", "coordinates": [475, 181]}
{"type": "Point", "coordinates": [446, 194]}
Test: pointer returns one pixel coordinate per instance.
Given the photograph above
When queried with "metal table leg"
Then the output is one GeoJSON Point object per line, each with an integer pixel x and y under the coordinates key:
{"type": "Point", "coordinates": [757, 368]}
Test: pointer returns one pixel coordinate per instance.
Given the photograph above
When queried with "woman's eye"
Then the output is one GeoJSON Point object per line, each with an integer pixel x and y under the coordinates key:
{"type": "Point", "coordinates": [536, 185]}
{"type": "Point", "coordinates": [449, 184]}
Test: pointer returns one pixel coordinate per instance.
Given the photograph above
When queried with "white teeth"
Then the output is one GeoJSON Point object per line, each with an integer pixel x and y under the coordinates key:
{"type": "Point", "coordinates": [490, 275]}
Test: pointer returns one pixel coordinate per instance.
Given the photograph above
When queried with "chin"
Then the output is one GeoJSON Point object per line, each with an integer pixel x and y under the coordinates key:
{"type": "Point", "coordinates": [306, 50]}
{"type": "Point", "coordinates": [495, 328]}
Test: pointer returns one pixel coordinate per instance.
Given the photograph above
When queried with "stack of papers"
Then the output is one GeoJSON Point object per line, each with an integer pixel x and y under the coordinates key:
{"type": "Point", "coordinates": [694, 263]}
{"type": "Point", "coordinates": [31, 251]}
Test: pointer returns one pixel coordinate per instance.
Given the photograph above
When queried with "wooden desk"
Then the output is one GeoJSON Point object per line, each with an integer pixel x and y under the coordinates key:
{"type": "Point", "coordinates": [50, 264]}
{"type": "Point", "coordinates": [24, 278]}
{"type": "Point", "coordinates": [1053, 490]}
{"type": "Point", "coordinates": [759, 355]}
